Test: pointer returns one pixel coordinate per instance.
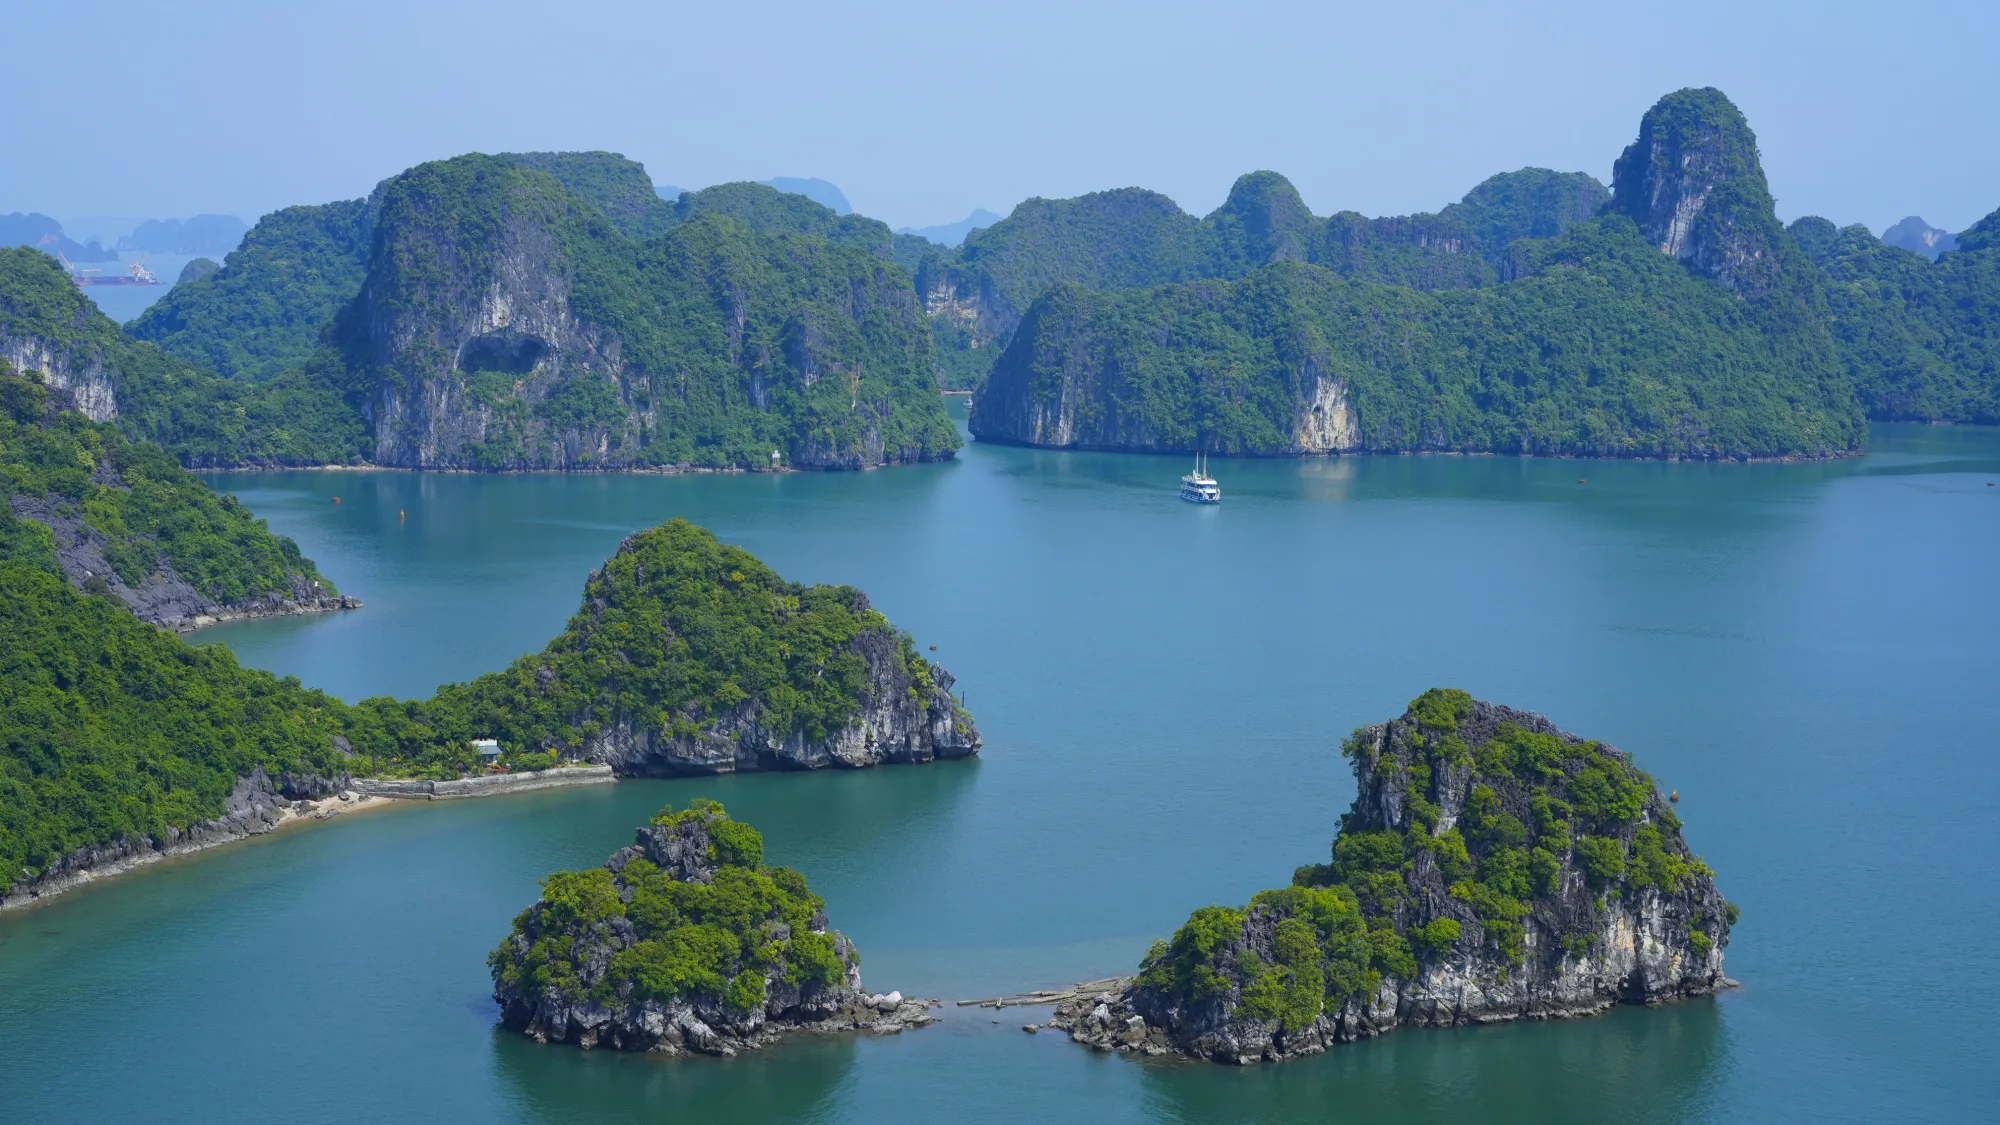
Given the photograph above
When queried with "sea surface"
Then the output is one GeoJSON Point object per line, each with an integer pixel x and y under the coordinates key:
{"type": "Point", "coordinates": [1809, 653]}
{"type": "Point", "coordinates": [123, 303]}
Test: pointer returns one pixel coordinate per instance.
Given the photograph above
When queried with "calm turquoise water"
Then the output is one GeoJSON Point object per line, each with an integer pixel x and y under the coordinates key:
{"type": "Point", "coordinates": [1807, 652]}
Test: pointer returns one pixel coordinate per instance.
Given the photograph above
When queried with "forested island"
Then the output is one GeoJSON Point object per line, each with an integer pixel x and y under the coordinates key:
{"type": "Point", "coordinates": [685, 941]}
{"type": "Point", "coordinates": [1679, 320]}
{"type": "Point", "coordinates": [525, 311]}
{"type": "Point", "coordinates": [552, 311]}
{"type": "Point", "coordinates": [120, 743]}
{"type": "Point", "coordinates": [120, 518]}
{"type": "Point", "coordinates": [1491, 868]}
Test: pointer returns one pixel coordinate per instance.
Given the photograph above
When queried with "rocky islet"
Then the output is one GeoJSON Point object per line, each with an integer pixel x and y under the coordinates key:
{"type": "Point", "coordinates": [685, 942]}
{"type": "Point", "coordinates": [1491, 868]}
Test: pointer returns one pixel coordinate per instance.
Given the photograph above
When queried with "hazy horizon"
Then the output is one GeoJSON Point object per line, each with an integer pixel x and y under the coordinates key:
{"type": "Point", "coordinates": [1864, 112]}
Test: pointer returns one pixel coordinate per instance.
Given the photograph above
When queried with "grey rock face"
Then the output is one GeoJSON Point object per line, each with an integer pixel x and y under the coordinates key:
{"type": "Point", "coordinates": [1694, 183]}
{"type": "Point", "coordinates": [163, 597]}
{"type": "Point", "coordinates": [1585, 950]}
{"type": "Point", "coordinates": [512, 318]}
{"type": "Point", "coordinates": [78, 372]}
{"type": "Point", "coordinates": [893, 725]}
{"type": "Point", "coordinates": [1059, 385]}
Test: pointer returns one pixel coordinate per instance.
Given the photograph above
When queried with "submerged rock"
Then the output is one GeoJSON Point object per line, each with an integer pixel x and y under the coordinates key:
{"type": "Point", "coordinates": [1492, 868]}
{"type": "Point", "coordinates": [685, 942]}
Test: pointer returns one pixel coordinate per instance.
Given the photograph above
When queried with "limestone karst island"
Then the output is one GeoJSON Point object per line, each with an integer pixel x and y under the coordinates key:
{"type": "Point", "coordinates": [1491, 868]}
{"type": "Point", "coordinates": [542, 551]}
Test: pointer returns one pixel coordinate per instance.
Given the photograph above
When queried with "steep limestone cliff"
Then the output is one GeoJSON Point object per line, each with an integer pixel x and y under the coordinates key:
{"type": "Point", "coordinates": [1681, 322]}
{"type": "Point", "coordinates": [685, 942]}
{"type": "Point", "coordinates": [506, 324]}
{"type": "Point", "coordinates": [1694, 184]}
{"type": "Point", "coordinates": [48, 327]}
{"type": "Point", "coordinates": [1492, 868]}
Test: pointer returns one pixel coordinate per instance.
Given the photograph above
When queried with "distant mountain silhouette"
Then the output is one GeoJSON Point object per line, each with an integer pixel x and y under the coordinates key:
{"type": "Point", "coordinates": [45, 234]}
{"type": "Point", "coordinates": [819, 191]}
{"type": "Point", "coordinates": [203, 234]}
{"type": "Point", "coordinates": [951, 234]}
{"type": "Point", "coordinates": [1917, 236]}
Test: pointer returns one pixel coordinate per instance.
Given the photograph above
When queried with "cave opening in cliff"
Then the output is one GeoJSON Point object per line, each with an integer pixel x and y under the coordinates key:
{"type": "Point", "coordinates": [506, 351]}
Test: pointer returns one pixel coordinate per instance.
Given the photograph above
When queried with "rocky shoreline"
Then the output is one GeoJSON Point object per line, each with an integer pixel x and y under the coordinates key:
{"type": "Point", "coordinates": [259, 805]}
{"type": "Point", "coordinates": [271, 605]}
{"type": "Point", "coordinates": [1112, 1020]}
{"type": "Point", "coordinates": [255, 807]}
{"type": "Point", "coordinates": [163, 597]}
{"type": "Point", "coordinates": [680, 1029]}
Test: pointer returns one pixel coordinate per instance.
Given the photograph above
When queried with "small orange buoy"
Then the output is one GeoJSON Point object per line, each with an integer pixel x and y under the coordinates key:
{"type": "Point", "coordinates": [1675, 796]}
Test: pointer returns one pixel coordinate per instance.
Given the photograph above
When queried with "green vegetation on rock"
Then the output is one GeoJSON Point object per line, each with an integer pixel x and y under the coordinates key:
{"type": "Point", "coordinates": [679, 637]}
{"type": "Point", "coordinates": [607, 181]}
{"type": "Point", "coordinates": [1530, 203]}
{"type": "Point", "coordinates": [1472, 825]}
{"type": "Point", "coordinates": [264, 312]}
{"type": "Point", "coordinates": [1921, 339]}
{"type": "Point", "coordinates": [531, 310]}
{"type": "Point", "coordinates": [1636, 333]}
{"type": "Point", "coordinates": [1137, 239]}
{"type": "Point", "coordinates": [112, 729]}
{"type": "Point", "coordinates": [718, 927]}
{"type": "Point", "coordinates": [766, 210]}
{"type": "Point", "coordinates": [146, 516]}
{"type": "Point", "coordinates": [1609, 349]}
{"type": "Point", "coordinates": [48, 325]}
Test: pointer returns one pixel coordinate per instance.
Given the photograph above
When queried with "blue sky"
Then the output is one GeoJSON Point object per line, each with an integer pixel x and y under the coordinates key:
{"type": "Point", "coordinates": [923, 111]}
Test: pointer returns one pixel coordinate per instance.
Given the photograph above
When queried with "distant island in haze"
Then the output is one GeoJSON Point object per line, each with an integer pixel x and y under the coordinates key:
{"type": "Point", "coordinates": [46, 234]}
{"type": "Point", "coordinates": [1919, 237]}
{"type": "Point", "coordinates": [952, 234]}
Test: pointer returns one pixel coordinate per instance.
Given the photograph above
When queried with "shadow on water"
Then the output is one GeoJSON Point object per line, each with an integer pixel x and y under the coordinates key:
{"type": "Point", "coordinates": [1633, 1065]}
{"type": "Point", "coordinates": [794, 1081]}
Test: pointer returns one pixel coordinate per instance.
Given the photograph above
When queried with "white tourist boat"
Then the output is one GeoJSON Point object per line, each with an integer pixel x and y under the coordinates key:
{"type": "Point", "coordinates": [1198, 486]}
